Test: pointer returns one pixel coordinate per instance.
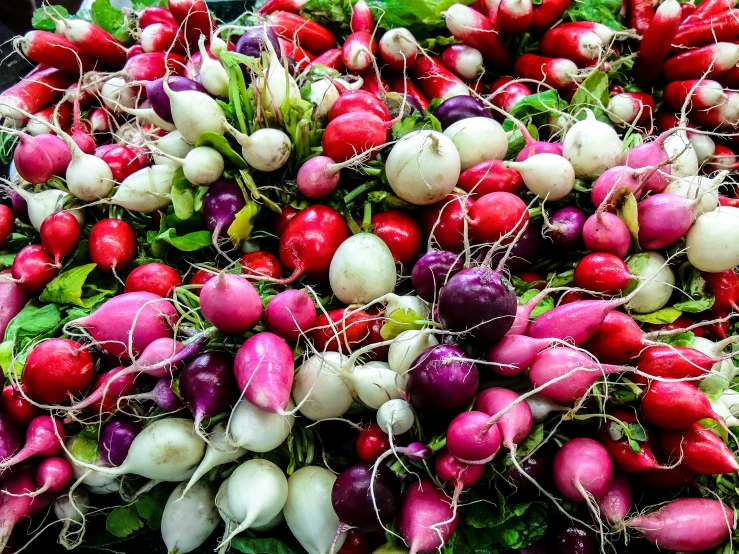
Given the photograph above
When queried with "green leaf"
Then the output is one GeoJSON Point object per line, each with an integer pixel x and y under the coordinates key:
{"type": "Point", "coordinates": [33, 320]}
{"type": "Point", "coordinates": [714, 385]}
{"type": "Point", "coordinates": [545, 305]}
{"type": "Point", "coordinates": [600, 11]}
{"type": "Point", "coordinates": [242, 226]}
{"type": "Point", "coordinates": [682, 339]}
{"type": "Point", "coordinates": [150, 510]}
{"type": "Point", "coordinates": [187, 243]}
{"type": "Point", "coordinates": [626, 208]}
{"type": "Point", "coordinates": [183, 195]}
{"type": "Point", "coordinates": [415, 122]}
{"type": "Point", "coordinates": [332, 13]}
{"type": "Point", "coordinates": [258, 545]}
{"type": "Point", "coordinates": [537, 104]}
{"type": "Point", "coordinates": [401, 320]}
{"type": "Point", "coordinates": [43, 18]}
{"type": "Point", "coordinates": [123, 521]}
{"type": "Point", "coordinates": [138, 5]}
{"type": "Point", "coordinates": [695, 306]}
{"type": "Point", "coordinates": [6, 357]}
{"type": "Point", "coordinates": [592, 93]}
{"type": "Point", "coordinates": [67, 287]}
{"type": "Point", "coordinates": [7, 146]}
{"type": "Point", "coordinates": [221, 144]}
{"type": "Point", "coordinates": [439, 42]}
{"type": "Point", "coordinates": [516, 140]}
{"type": "Point", "coordinates": [636, 432]}
{"type": "Point", "coordinates": [111, 19]}
{"type": "Point", "coordinates": [534, 439]}
{"type": "Point", "coordinates": [663, 316]}
{"type": "Point", "coordinates": [84, 449]}
{"type": "Point", "coordinates": [421, 17]}
{"type": "Point", "coordinates": [6, 260]}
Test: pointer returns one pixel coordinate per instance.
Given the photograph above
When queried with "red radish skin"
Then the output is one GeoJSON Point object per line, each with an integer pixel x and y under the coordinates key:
{"type": "Point", "coordinates": [476, 30]}
{"type": "Point", "coordinates": [445, 222]}
{"type": "Point", "coordinates": [264, 371]}
{"type": "Point", "coordinates": [657, 38]}
{"type": "Point", "coordinates": [404, 85]}
{"type": "Point", "coordinates": [60, 234]}
{"type": "Point", "coordinates": [160, 37]}
{"type": "Point", "coordinates": [618, 340]}
{"type": "Point", "coordinates": [7, 224]}
{"type": "Point", "coordinates": [725, 287]}
{"type": "Point", "coordinates": [424, 508]}
{"type": "Point", "coordinates": [401, 233]}
{"type": "Point", "coordinates": [668, 478]}
{"type": "Point", "coordinates": [33, 269]}
{"type": "Point", "coordinates": [398, 50]}
{"type": "Point", "coordinates": [56, 370]}
{"type": "Point", "coordinates": [112, 245]}
{"type": "Point", "coordinates": [611, 436]}
{"type": "Point", "coordinates": [505, 93]}
{"type": "Point", "coordinates": [497, 214]}
{"type": "Point", "coordinates": [14, 405]}
{"type": "Point", "coordinates": [515, 425]}
{"type": "Point", "coordinates": [201, 276]}
{"type": "Point", "coordinates": [374, 84]}
{"type": "Point", "coordinates": [330, 58]}
{"type": "Point", "coordinates": [705, 62]}
{"type": "Point", "coordinates": [582, 468]}
{"type": "Point", "coordinates": [62, 112]}
{"type": "Point", "coordinates": [471, 439]}
{"type": "Point", "coordinates": [700, 450]}
{"type": "Point", "coordinates": [674, 362]}
{"type": "Point", "coordinates": [362, 20]}
{"type": "Point", "coordinates": [310, 241]}
{"type": "Point", "coordinates": [464, 61]}
{"type": "Point", "coordinates": [53, 474]}
{"type": "Point", "coordinates": [629, 108]}
{"type": "Point", "coordinates": [259, 265]}
{"type": "Point", "coordinates": [150, 66]}
{"type": "Point", "coordinates": [722, 26]}
{"type": "Point", "coordinates": [271, 6]}
{"type": "Point", "coordinates": [44, 437]}
{"type": "Point", "coordinates": [122, 160]}
{"type": "Point", "coordinates": [34, 93]}
{"type": "Point", "coordinates": [708, 8]}
{"type": "Point", "coordinates": [302, 57]}
{"type": "Point", "coordinates": [94, 41]}
{"type": "Point", "coordinates": [153, 14]}
{"type": "Point", "coordinates": [705, 94]}
{"type": "Point", "coordinates": [515, 16]}
{"type": "Point", "coordinates": [56, 51]}
{"type": "Point", "coordinates": [156, 278]}
{"type": "Point", "coordinates": [578, 44]}
{"type": "Point", "coordinates": [616, 502]}
{"type": "Point", "coordinates": [547, 13]}
{"type": "Point", "coordinates": [347, 330]}
{"type": "Point", "coordinates": [604, 273]}
{"type": "Point", "coordinates": [555, 72]}
{"type": "Point", "coordinates": [107, 388]}
{"type": "Point", "coordinates": [193, 17]}
{"type": "Point", "coordinates": [358, 51]}
{"type": "Point", "coordinates": [18, 504]}
{"type": "Point", "coordinates": [359, 101]}
{"type": "Point", "coordinates": [639, 14]}
{"type": "Point", "coordinates": [312, 36]}
{"type": "Point", "coordinates": [434, 80]}
{"type": "Point", "coordinates": [372, 443]}
{"type": "Point", "coordinates": [100, 121]}
{"type": "Point", "coordinates": [353, 133]}
{"type": "Point", "coordinates": [490, 176]}
{"type": "Point", "coordinates": [675, 405]}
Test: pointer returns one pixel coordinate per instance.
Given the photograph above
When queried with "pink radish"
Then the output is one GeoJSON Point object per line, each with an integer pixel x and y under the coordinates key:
{"type": "Point", "coordinates": [457, 474]}
{"type": "Point", "coordinates": [664, 219]}
{"type": "Point", "coordinates": [513, 354]}
{"type": "Point", "coordinates": [58, 152]}
{"type": "Point", "coordinates": [606, 232]}
{"type": "Point", "coordinates": [613, 180]}
{"type": "Point", "coordinates": [289, 313]}
{"type": "Point", "coordinates": [264, 371]}
{"type": "Point", "coordinates": [319, 176]}
{"type": "Point", "coordinates": [231, 303]}
{"type": "Point", "coordinates": [53, 475]}
{"type": "Point", "coordinates": [582, 469]}
{"type": "Point", "coordinates": [398, 49]}
{"type": "Point", "coordinates": [17, 504]}
{"type": "Point", "coordinates": [616, 502]}
{"type": "Point", "coordinates": [44, 437]}
{"type": "Point", "coordinates": [424, 508]}
{"type": "Point", "coordinates": [515, 425]}
{"type": "Point", "coordinates": [31, 160]}
{"type": "Point", "coordinates": [60, 234]}
{"type": "Point", "coordinates": [472, 439]}
{"type": "Point", "coordinates": [12, 300]}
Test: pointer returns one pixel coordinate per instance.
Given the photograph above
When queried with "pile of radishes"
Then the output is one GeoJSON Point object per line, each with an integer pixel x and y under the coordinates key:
{"type": "Point", "coordinates": [329, 281]}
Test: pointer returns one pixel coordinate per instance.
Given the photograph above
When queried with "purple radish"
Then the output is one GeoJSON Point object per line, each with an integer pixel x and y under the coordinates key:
{"type": "Point", "coordinates": [613, 180]}
{"type": "Point", "coordinates": [606, 232]}
{"type": "Point", "coordinates": [432, 272]}
{"type": "Point", "coordinates": [253, 42]}
{"type": "Point", "coordinates": [231, 303]}
{"type": "Point", "coordinates": [159, 100]}
{"type": "Point", "coordinates": [12, 300]}
{"type": "Point", "coordinates": [115, 440]}
{"type": "Point", "coordinates": [514, 425]}
{"type": "Point", "coordinates": [686, 524]}
{"type": "Point", "coordinates": [513, 354]}
{"type": "Point", "coordinates": [207, 386]}
{"type": "Point", "coordinates": [141, 317]}
{"type": "Point", "coordinates": [10, 438]}
{"type": "Point", "coordinates": [31, 160]}
{"type": "Point", "coordinates": [565, 227]}
{"type": "Point", "coordinates": [424, 508]}
{"type": "Point", "coordinates": [162, 395]}
{"type": "Point", "coordinates": [44, 437]}
{"type": "Point", "coordinates": [524, 250]}
{"type": "Point", "coordinates": [264, 370]}
{"type": "Point", "coordinates": [472, 438]}
{"type": "Point", "coordinates": [616, 502]}
{"type": "Point", "coordinates": [53, 475]}
{"type": "Point", "coordinates": [582, 469]}
{"type": "Point", "coordinates": [221, 203]}
{"type": "Point", "coordinates": [16, 502]}
{"type": "Point", "coordinates": [458, 108]}
{"type": "Point", "coordinates": [664, 219]}
{"type": "Point", "coordinates": [19, 204]}
{"type": "Point", "coordinates": [551, 366]}
{"type": "Point", "coordinates": [480, 302]}
{"type": "Point", "coordinates": [289, 313]}
{"type": "Point", "coordinates": [442, 380]}
{"type": "Point", "coordinates": [366, 497]}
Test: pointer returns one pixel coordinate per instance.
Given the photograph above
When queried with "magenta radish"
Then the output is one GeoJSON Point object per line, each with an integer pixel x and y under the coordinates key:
{"type": "Point", "coordinates": [686, 524]}
{"type": "Point", "coordinates": [558, 73]}
{"type": "Point", "coordinates": [664, 218]}
{"type": "Point", "coordinates": [458, 474]}
{"type": "Point", "coordinates": [207, 386]}
{"type": "Point", "coordinates": [606, 232]}
{"type": "Point", "coordinates": [44, 437]}
{"type": "Point", "coordinates": [264, 372]}
{"type": "Point", "coordinates": [424, 509]}
{"type": "Point", "coordinates": [162, 395]}
{"type": "Point", "coordinates": [18, 504]}
{"type": "Point", "coordinates": [549, 176]}
{"type": "Point", "coordinates": [613, 180]}
{"type": "Point", "coordinates": [464, 61]}
{"type": "Point", "coordinates": [60, 234]}
{"type": "Point", "coordinates": [711, 241]}
{"type": "Point", "coordinates": [33, 269]}
{"type": "Point", "coordinates": [591, 146]}
{"type": "Point", "coordinates": [472, 438]}
{"type": "Point", "coordinates": [616, 501]}
{"type": "Point", "coordinates": [398, 49]}
{"type": "Point", "coordinates": [515, 424]}
{"type": "Point", "coordinates": [231, 303]}
{"type": "Point", "coordinates": [290, 313]}
{"type": "Point", "coordinates": [11, 438]}
{"type": "Point", "coordinates": [53, 475]}
{"type": "Point", "coordinates": [318, 177]}
{"type": "Point", "coordinates": [58, 152]}
{"type": "Point", "coordinates": [578, 44]}
{"type": "Point", "coordinates": [513, 354]}
{"type": "Point", "coordinates": [474, 29]}
{"type": "Point", "coordinates": [31, 160]}
{"type": "Point", "coordinates": [582, 470]}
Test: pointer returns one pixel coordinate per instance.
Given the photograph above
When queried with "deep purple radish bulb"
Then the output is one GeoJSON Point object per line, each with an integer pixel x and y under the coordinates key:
{"type": "Point", "coordinates": [426, 521]}
{"type": "Point", "coordinates": [221, 203]}
{"type": "Point", "coordinates": [231, 303]}
{"type": "Point", "coordinates": [10, 438]}
{"type": "Point", "coordinates": [52, 475]}
{"type": "Point", "coordinates": [433, 270]}
{"type": "Point", "coordinates": [115, 440]}
{"type": "Point", "coordinates": [582, 469]}
{"type": "Point", "coordinates": [616, 502]}
{"type": "Point", "coordinates": [318, 177]}
{"type": "Point", "coordinates": [207, 386]}
{"type": "Point", "coordinates": [664, 219]}
{"type": "Point", "coordinates": [44, 437]}
{"type": "Point", "coordinates": [565, 227]}
{"type": "Point", "coordinates": [366, 501]}
{"type": "Point", "coordinates": [162, 395]}
{"type": "Point", "coordinates": [606, 232]}
{"type": "Point", "coordinates": [253, 42]}
{"type": "Point", "coordinates": [289, 313]}
{"type": "Point", "coordinates": [458, 108]}
{"type": "Point", "coordinates": [513, 354]}
{"type": "Point", "coordinates": [441, 380]}
{"type": "Point", "coordinates": [472, 438]}
{"type": "Point", "coordinates": [515, 424]}
{"type": "Point", "coordinates": [159, 100]}
{"type": "Point", "coordinates": [480, 302]}
{"type": "Point", "coordinates": [524, 250]}
{"type": "Point", "coordinates": [31, 160]}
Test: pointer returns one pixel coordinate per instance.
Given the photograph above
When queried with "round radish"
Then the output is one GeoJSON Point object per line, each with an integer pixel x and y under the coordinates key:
{"type": "Point", "coordinates": [591, 147]}
{"type": "Point", "coordinates": [321, 387]}
{"type": "Point", "coordinates": [398, 49]}
{"type": "Point", "coordinates": [231, 303]}
{"type": "Point", "coordinates": [56, 370]}
{"type": "Point", "coordinates": [466, 133]}
{"type": "Point", "coordinates": [33, 269]}
{"type": "Point", "coordinates": [582, 468]}
{"type": "Point", "coordinates": [60, 234]}
{"type": "Point", "coordinates": [657, 292]}
{"type": "Point", "coordinates": [549, 176]}
{"type": "Point", "coordinates": [112, 244]}
{"type": "Point", "coordinates": [362, 269]}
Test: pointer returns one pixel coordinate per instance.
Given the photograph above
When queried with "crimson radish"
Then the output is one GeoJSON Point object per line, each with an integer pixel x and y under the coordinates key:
{"type": "Point", "coordinates": [358, 51]}
{"type": "Point", "coordinates": [445, 222]}
{"type": "Point", "coordinates": [618, 339]}
{"type": "Point", "coordinates": [55, 51]}
{"type": "Point", "coordinates": [60, 234]}
{"type": "Point", "coordinates": [497, 215]}
{"type": "Point", "coordinates": [555, 72]}
{"type": "Point", "coordinates": [612, 435]}
{"type": "Point", "coordinates": [582, 469]}
{"type": "Point", "coordinates": [434, 80]}
{"type": "Point", "coordinates": [547, 13]}
{"type": "Point", "coordinates": [699, 449]}
{"type": "Point", "coordinates": [398, 49]}
{"type": "Point", "coordinates": [112, 245]}
{"type": "Point", "coordinates": [464, 61]}
{"type": "Point", "coordinates": [699, 63]}
{"type": "Point", "coordinates": [675, 405]}
{"type": "Point", "coordinates": [578, 44]}
{"type": "Point", "coordinates": [33, 269]}
{"type": "Point", "coordinates": [159, 279]}
{"type": "Point", "coordinates": [602, 273]}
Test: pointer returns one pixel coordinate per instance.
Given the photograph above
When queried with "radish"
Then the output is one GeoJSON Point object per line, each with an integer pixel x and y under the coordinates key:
{"type": "Point", "coordinates": [542, 407]}
{"type": "Point", "coordinates": [159, 279]}
{"type": "Point", "coordinates": [44, 437]}
{"type": "Point", "coordinates": [606, 232]}
{"type": "Point", "coordinates": [515, 16]}
{"type": "Point", "coordinates": [362, 19]}
{"type": "Point", "coordinates": [654, 293]}
{"type": "Point", "coordinates": [464, 61]}
{"type": "Point", "coordinates": [408, 167]}
{"type": "Point", "coordinates": [54, 50]}
{"type": "Point", "coordinates": [265, 149]}
{"type": "Point", "coordinates": [548, 176]}
{"type": "Point", "coordinates": [207, 386]}
{"type": "Point", "coordinates": [618, 340]}
{"type": "Point", "coordinates": [17, 409]}
{"type": "Point", "coordinates": [675, 362]}
{"type": "Point", "coordinates": [497, 216]}
{"type": "Point", "coordinates": [439, 381]}
{"type": "Point", "coordinates": [582, 470]}
{"type": "Point", "coordinates": [445, 222]}
{"type": "Point", "coordinates": [686, 524]}
{"type": "Point", "coordinates": [456, 473]}
{"type": "Point", "coordinates": [231, 303]}
{"type": "Point", "coordinates": [398, 49]}
{"type": "Point", "coordinates": [366, 498]}
{"type": "Point", "coordinates": [17, 504]}
{"type": "Point", "coordinates": [616, 502]}
{"type": "Point", "coordinates": [33, 269]}
{"type": "Point", "coordinates": [359, 101]}
{"type": "Point", "coordinates": [218, 452]}
{"type": "Point", "coordinates": [602, 273]}
{"type": "Point", "coordinates": [431, 272]}
{"type": "Point", "coordinates": [309, 513]}
{"type": "Point", "coordinates": [465, 134]}
{"type": "Point", "coordinates": [56, 370]}
{"type": "Point", "coordinates": [71, 508]}
{"type": "Point", "coordinates": [289, 313]}
{"type": "Point", "coordinates": [33, 94]}
{"type": "Point", "coordinates": [434, 80]}
{"type": "Point", "coordinates": [582, 46]}
{"type": "Point", "coordinates": [557, 73]}
{"type": "Point", "coordinates": [686, 404]}
{"type": "Point", "coordinates": [173, 144]}
{"type": "Point", "coordinates": [60, 234]}
{"type": "Point", "coordinates": [513, 354]}
{"type": "Point", "coordinates": [664, 219]}
{"type": "Point", "coordinates": [515, 424]}
{"type": "Point", "coordinates": [122, 160]}
{"type": "Point", "coordinates": [189, 517]}
{"type": "Point", "coordinates": [300, 30]}
{"type": "Point", "coordinates": [213, 75]}
{"type": "Point", "coordinates": [712, 240]}
{"type": "Point", "coordinates": [53, 475]}
{"type": "Point", "coordinates": [547, 14]}
{"type": "Point", "coordinates": [565, 227]}
{"type": "Point", "coordinates": [352, 134]}
{"type": "Point", "coordinates": [358, 51]}
{"type": "Point", "coordinates": [323, 95]}
{"type": "Point", "coordinates": [31, 161]}
{"type": "Point", "coordinates": [474, 29]}
{"type": "Point", "coordinates": [406, 347]}
{"type": "Point", "coordinates": [362, 269]}
{"type": "Point", "coordinates": [44, 203]}
{"type": "Point", "coordinates": [257, 430]}
{"type": "Point", "coordinates": [473, 438]}
{"type": "Point", "coordinates": [161, 104]}
{"type": "Point", "coordinates": [628, 108]}
{"type": "Point", "coordinates": [619, 446]}
{"type": "Point", "coordinates": [318, 177]}
{"type": "Point", "coordinates": [395, 417]}
{"type": "Point", "coordinates": [160, 37]}
{"type": "Point", "coordinates": [194, 18]}
{"type": "Point", "coordinates": [112, 245]}
{"type": "Point", "coordinates": [146, 190]}
{"type": "Point", "coordinates": [321, 387]}
{"type": "Point", "coordinates": [194, 113]}
{"type": "Point", "coordinates": [582, 138]}
{"type": "Point", "coordinates": [264, 372]}
{"type": "Point", "coordinates": [699, 450]}
{"type": "Point", "coordinates": [115, 440]}
{"type": "Point", "coordinates": [376, 383]}
{"type": "Point", "coordinates": [699, 63]}
{"type": "Point", "coordinates": [427, 520]}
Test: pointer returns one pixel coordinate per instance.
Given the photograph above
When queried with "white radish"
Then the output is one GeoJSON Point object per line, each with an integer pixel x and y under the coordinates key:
{"type": "Point", "coordinates": [713, 240]}
{"type": "Point", "coordinates": [173, 144]}
{"type": "Point", "coordinates": [679, 147]}
{"type": "Point", "coordinates": [203, 165]}
{"type": "Point", "coordinates": [548, 176]}
{"type": "Point", "coordinates": [146, 112]}
{"type": "Point", "coordinates": [71, 508]}
{"type": "Point", "coordinates": [257, 430]}
{"type": "Point", "coordinates": [396, 417]}
{"type": "Point", "coordinates": [406, 347]}
{"type": "Point", "coordinates": [323, 94]}
{"type": "Point", "coordinates": [213, 76]}
{"type": "Point", "coordinates": [591, 146]}
{"type": "Point", "coordinates": [541, 407]}
{"type": "Point", "coordinates": [309, 513]}
{"type": "Point", "coordinates": [466, 135]}
{"type": "Point", "coordinates": [323, 383]}
{"type": "Point", "coordinates": [189, 517]}
{"type": "Point", "coordinates": [117, 94]}
{"type": "Point", "coordinates": [703, 146]}
{"type": "Point", "coordinates": [407, 303]}
{"type": "Point", "coordinates": [194, 113]}
{"type": "Point", "coordinates": [88, 177]}
{"type": "Point", "coordinates": [376, 383]}
{"type": "Point", "coordinates": [146, 190]}
{"type": "Point", "coordinates": [362, 269]}
{"type": "Point", "coordinates": [230, 520]}
{"type": "Point", "coordinates": [698, 186]}
{"type": "Point", "coordinates": [265, 149]}
{"type": "Point", "coordinates": [218, 452]}
{"type": "Point", "coordinates": [657, 292]}
{"type": "Point", "coordinates": [423, 167]}
{"type": "Point", "coordinates": [42, 204]}
{"type": "Point", "coordinates": [278, 85]}
{"type": "Point", "coordinates": [94, 481]}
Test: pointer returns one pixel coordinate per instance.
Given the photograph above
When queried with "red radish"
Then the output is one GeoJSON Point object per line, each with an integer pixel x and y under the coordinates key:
{"type": "Point", "coordinates": [458, 474]}
{"type": "Point", "coordinates": [472, 439]}
{"type": "Point", "coordinates": [398, 49]}
{"type": "Point", "coordinates": [708, 8]}
{"type": "Point", "coordinates": [193, 17]}
{"type": "Point", "coordinates": [56, 51]}
{"type": "Point", "coordinates": [464, 61]}
{"type": "Point", "coordinates": [56, 370]}
{"type": "Point", "coordinates": [547, 13]}
{"type": "Point", "coordinates": [100, 121]}
{"type": "Point", "coordinates": [301, 57]}
{"type": "Point", "coordinates": [616, 502]}
{"type": "Point", "coordinates": [135, 50]}
{"type": "Point", "coordinates": [60, 234]}
{"type": "Point", "coordinates": [717, 27]}
{"type": "Point", "coordinates": [401, 233]}
{"type": "Point", "coordinates": [18, 504]}
{"type": "Point", "coordinates": [159, 279]}
{"type": "Point", "coordinates": [657, 38]}
{"type": "Point", "coordinates": [112, 245]}
{"type": "Point", "coordinates": [60, 113]}
{"type": "Point", "coordinates": [359, 101]}
{"type": "Point", "coordinates": [582, 46]}
{"type": "Point", "coordinates": [160, 37]}
{"type": "Point", "coordinates": [264, 371]}
{"type": "Point", "coordinates": [674, 362]}
{"type": "Point", "coordinates": [14, 405]}
{"type": "Point", "coordinates": [33, 269]}
{"type": "Point", "coordinates": [698, 449]}
{"type": "Point", "coordinates": [515, 16]}
{"type": "Point", "coordinates": [53, 474]}
{"type": "Point", "coordinates": [44, 437]}
{"type": "Point", "coordinates": [445, 221]}
{"type": "Point", "coordinates": [423, 511]}
{"type": "Point", "coordinates": [515, 425]}
{"type": "Point", "coordinates": [624, 458]}
{"type": "Point", "coordinates": [555, 72]}
{"type": "Point", "coordinates": [260, 264]}
{"type": "Point", "coordinates": [202, 276]}
{"type": "Point", "coordinates": [404, 85]}
{"type": "Point", "coordinates": [150, 66]}
{"type": "Point", "coordinates": [582, 469]}
{"type": "Point", "coordinates": [107, 388]}
{"type": "Point", "coordinates": [631, 107]}
{"type": "Point", "coordinates": [675, 405]}
{"type": "Point", "coordinates": [602, 273]}
{"type": "Point", "coordinates": [353, 133]}
{"type": "Point", "coordinates": [617, 341]}
{"type": "Point", "coordinates": [271, 6]}
{"type": "Point", "coordinates": [58, 152]}
{"type": "Point", "coordinates": [93, 41]}
{"type": "Point", "coordinates": [372, 443]}
{"type": "Point", "coordinates": [362, 20]}
{"type": "Point", "coordinates": [606, 232]}
{"type": "Point", "coordinates": [34, 93]}
{"type": "Point", "coordinates": [505, 93]}
{"type": "Point", "coordinates": [490, 176]}
{"type": "Point", "coordinates": [312, 36]}
{"type": "Point", "coordinates": [668, 478]}
{"type": "Point", "coordinates": [703, 94]}
{"type": "Point", "coordinates": [374, 83]}
{"type": "Point", "coordinates": [495, 215]}
{"type": "Point", "coordinates": [310, 240]}
{"type": "Point", "coordinates": [435, 80]}
{"type": "Point", "coordinates": [330, 58]}
{"type": "Point", "coordinates": [231, 303]}
{"type": "Point", "coordinates": [153, 14]}
{"type": "Point", "coordinates": [474, 29]}
{"type": "Point", "coordinates": [639, 14]}
{"type": "Point", "coordinates": [358, 51]}
{"type": "Point", "coordinates": [705, 62]}
{"type": "Point", "coordinates": [686, 524]}
{"type": "Point", "coordinates": [290, 313]}
{"type": "Point", "coordinates": [724, 115]}
{"type": "Point", "coordinates": [725, 287]}
{"type": "Point", "coordinates": [122, 160]}
{"type": "Point", "coordinates": [341, 329]}
{"type": "Point", "coordinates": [288, 212]}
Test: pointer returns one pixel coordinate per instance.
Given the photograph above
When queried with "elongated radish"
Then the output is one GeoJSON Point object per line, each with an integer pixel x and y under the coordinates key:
{"type": "Point", "coordinates": [43, 438]}
{"type": "Point", "coordinates": [631, 107]}
{"type": "Point", "coordinates": [474, 29]}
{"type": "Point", "coordinates": [613, 437]}
{"type": "Point", "coordinates": [94, 41]}
{"type": "Point", "coordinates": [717, 27]}
{"type": "Point", "coordinates": [218, 452]}
{"type": "Point", "coordinates": [398, 49]}
{"type": "Point", "coordinates": [213, 75]}
{"type": "Point", "coordinates": [675, 405]}
{"type": "Point", "coordinates": [264, 372]}
{"type": "Point", "coordinates": [194, 18]}
{"type": "Point", "coordinates": [425, 508]}
{"type": "Point", "coordinates": [358, 51]}
{"type": "Point", "coordinates": [434, 80]}
{"type": "Point", "coordinates": [547, 13]}
{"type": "Point", "coordinates": [699, 449]}
{"type": "Point", "coordinates": [257, 430]}
{"type": "Point", "coordinates": [555, 72]}
{"type": "Point", "coordinates": [17, 504]}
{"type": "Point", "coordinates": [703, 94]}
{"type": "Point", "coordinates": [664, 219]}
{"type": "Point", "coordinates": [580, 45]}
{"type": "Point", "coordinates": [311, 35]}
{"type": "Point", "coordinates": [145, 190]}
{"type": "Point", "coordinates": [189, 517]}
{"type": "Point", "coordinates": [34, 93]}
{"type": "Point", "coordinates": [705, 62]}
{"type": "Point", "coordinates": [55, 51]}
{"type": "Point", "coordinates": [515, 16]}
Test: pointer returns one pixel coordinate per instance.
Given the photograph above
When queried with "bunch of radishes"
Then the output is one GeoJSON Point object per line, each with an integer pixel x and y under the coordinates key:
{"type": "Point", "coordinates": [339, 314]}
